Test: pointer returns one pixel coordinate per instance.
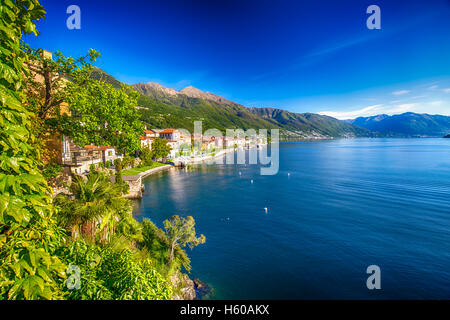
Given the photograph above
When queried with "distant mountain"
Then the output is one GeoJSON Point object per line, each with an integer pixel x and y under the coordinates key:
{"type": "Point", "coordinates": [162, 107]}
{"type": "Point", "coordinates": [155, 90]}
{"type": "Point", "coordinates": [168, 107]}
{"type": "Point", "coordinates": [407, 124]}
{"type": "Point", "coordinates": [99, 74]}
{"type": "Point", "coordinates": [196, 93]}
{"type": "Point", "coordinates": [311, 124]}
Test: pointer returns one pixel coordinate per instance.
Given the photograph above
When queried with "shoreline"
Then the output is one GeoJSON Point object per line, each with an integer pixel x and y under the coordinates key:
{"type": "Point", "coordinates": [154, 170]}
{"type": "Point", "coordinates": [184, 162]}
{"type": "Point", "coordinates": [135, 181]}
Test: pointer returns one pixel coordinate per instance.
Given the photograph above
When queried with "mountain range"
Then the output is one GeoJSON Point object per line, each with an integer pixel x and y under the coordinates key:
{"type": "Point", "coordinates": [406, 124]}
{"type": "Point", "coordinates": [162, 107]}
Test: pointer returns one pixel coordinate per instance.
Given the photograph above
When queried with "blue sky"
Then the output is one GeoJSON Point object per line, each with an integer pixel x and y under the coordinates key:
{"type": "Point", "coordinates": [303, 56]}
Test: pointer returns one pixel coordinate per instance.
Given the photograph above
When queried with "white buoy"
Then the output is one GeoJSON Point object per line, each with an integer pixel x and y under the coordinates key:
{"type": "Point", "coordinates": [251, 181]}
{"type": "Point", "coordinates": [240, 173]}
{"type": "Point", "coordinates": [289, 174]}
{"type": "Point", "coordinates": [265, 209]}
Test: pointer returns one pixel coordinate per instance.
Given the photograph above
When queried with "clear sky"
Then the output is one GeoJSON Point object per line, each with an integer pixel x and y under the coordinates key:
{"type": "Point", "coordinates": [302, 56]}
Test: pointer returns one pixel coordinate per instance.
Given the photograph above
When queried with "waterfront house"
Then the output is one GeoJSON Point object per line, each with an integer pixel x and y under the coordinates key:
{"type": "Point", "coordinates": [157, 131]}
{"type": "Point", "coordinates": [170, 134]}
{"type": "Point", "coordinates": [146, 142]}
{"type": "Point", "coordinates": [151, 133]}
{"type": "Point", "coordinates": [79, 159]}
{"type": "Point", "coordinates": [173, 137]}
{"type": "Point", "coordinates": [108, 154]}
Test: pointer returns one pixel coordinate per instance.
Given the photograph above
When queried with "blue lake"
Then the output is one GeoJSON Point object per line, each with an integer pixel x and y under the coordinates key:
{"type": "Point", "coordinates": [345, 205]}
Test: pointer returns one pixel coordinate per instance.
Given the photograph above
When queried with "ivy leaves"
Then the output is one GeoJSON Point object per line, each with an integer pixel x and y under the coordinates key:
{"type": "Point", "coordinates": [29, 235]}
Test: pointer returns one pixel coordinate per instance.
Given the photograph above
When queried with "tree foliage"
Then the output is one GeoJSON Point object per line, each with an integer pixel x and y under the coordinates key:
{"type": "Point", "coordinates": [156, 241]}
{"type": "Point", "coordinates": [46, 83]}
{"type": "Point", "coordinates": [66, 98]}
{"type": "Point", "coordinates": [29, 235]}
{"type": "Point", "coordinates": [160, 148]}
{"type": "Point", "coordinates": [93, 208]}
{"type": "Point", "coordinates": [101, 114]}
{"type": "Point", "coordinates": [108, 274]}
{"type": "Point", "coordinates": [181, 232]}
{"type": "Point", "coordinates": [146, 157]}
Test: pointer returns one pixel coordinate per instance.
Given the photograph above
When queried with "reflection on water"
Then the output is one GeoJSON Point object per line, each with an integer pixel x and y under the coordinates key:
{"type": "Point", "coordinates": [334, 208]}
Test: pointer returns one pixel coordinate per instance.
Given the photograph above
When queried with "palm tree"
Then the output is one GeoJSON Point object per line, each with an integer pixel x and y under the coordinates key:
{"type": "Point", "coordinates": [95, 205]}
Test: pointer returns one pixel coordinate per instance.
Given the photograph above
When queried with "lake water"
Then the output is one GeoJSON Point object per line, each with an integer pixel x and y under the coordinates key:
{"type": "Point", "coordinates": [346, 204]}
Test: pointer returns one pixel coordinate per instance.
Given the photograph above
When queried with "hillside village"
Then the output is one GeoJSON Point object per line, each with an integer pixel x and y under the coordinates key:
{"type": "Point", "coordinates": [184, 149]}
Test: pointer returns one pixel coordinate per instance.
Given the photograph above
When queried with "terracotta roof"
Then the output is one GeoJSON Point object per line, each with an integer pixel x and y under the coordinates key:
{"type": "Point", "coordinates": [170, 130]}
{"type": "Point", "coordinates": [91, 147]}
{"type": "Point", "coordinates": [146, 138]}
{"type": "Point", "coordinates": [149, 131]}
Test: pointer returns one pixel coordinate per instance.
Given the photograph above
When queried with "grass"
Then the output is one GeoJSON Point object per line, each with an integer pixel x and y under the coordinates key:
{"type": "Point", "coordinates": [134, 171]}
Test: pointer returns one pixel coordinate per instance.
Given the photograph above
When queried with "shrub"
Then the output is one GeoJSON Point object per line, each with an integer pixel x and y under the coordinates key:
{"type": "Point", "coordinates": [146, 157]}
{"type": "Point", "coordinates": [118, 164]}
{"type": "Point", "coordinates": [52, 170]}
{"type": "Point", "coordinates": [107, 274]}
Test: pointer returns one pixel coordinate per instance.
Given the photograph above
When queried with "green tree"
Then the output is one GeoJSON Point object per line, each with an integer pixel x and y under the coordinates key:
{"type": "Point", "coordinates": [95, 209]}
{"type": "Point", "coordinates": [102, 115]}
{"type": "Point", "coordinates": [96, 113]}
{"type": "Point", "coordinates": [160, 148]}
{"type": "Point", "coordinates": [109, 274]}
{"type": "Point", "coordinates": [181, 232]}
{"type": "Point", "coordinates": [46, 84]}
{"type": "Point", "coordinates": [29, 235]}
{"type": "Point", "coordinates": [118, 164]}
{"type": "Point", "coordinates": [146, 157]}
{"type": "Point", "coordinates": [119, 180]}
{"type": "Point", "coordinates": [156, 242]}
{"type": "Point", "coordinates": [127, 161]}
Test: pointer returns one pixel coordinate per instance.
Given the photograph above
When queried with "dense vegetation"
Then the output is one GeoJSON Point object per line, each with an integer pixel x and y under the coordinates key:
{"type": "Point", "coordinates": [181, 112]}
{"type": "Point", "coordinates": [60, 91]}
{"type": "Point", "coordinates": [84, 244]}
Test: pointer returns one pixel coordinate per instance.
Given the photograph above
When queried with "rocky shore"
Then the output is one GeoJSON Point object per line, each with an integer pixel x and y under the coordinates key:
{"type": "Point", "coordinates": [187, 289]}
{"type": "Point", "coordinates": [135, 181]}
